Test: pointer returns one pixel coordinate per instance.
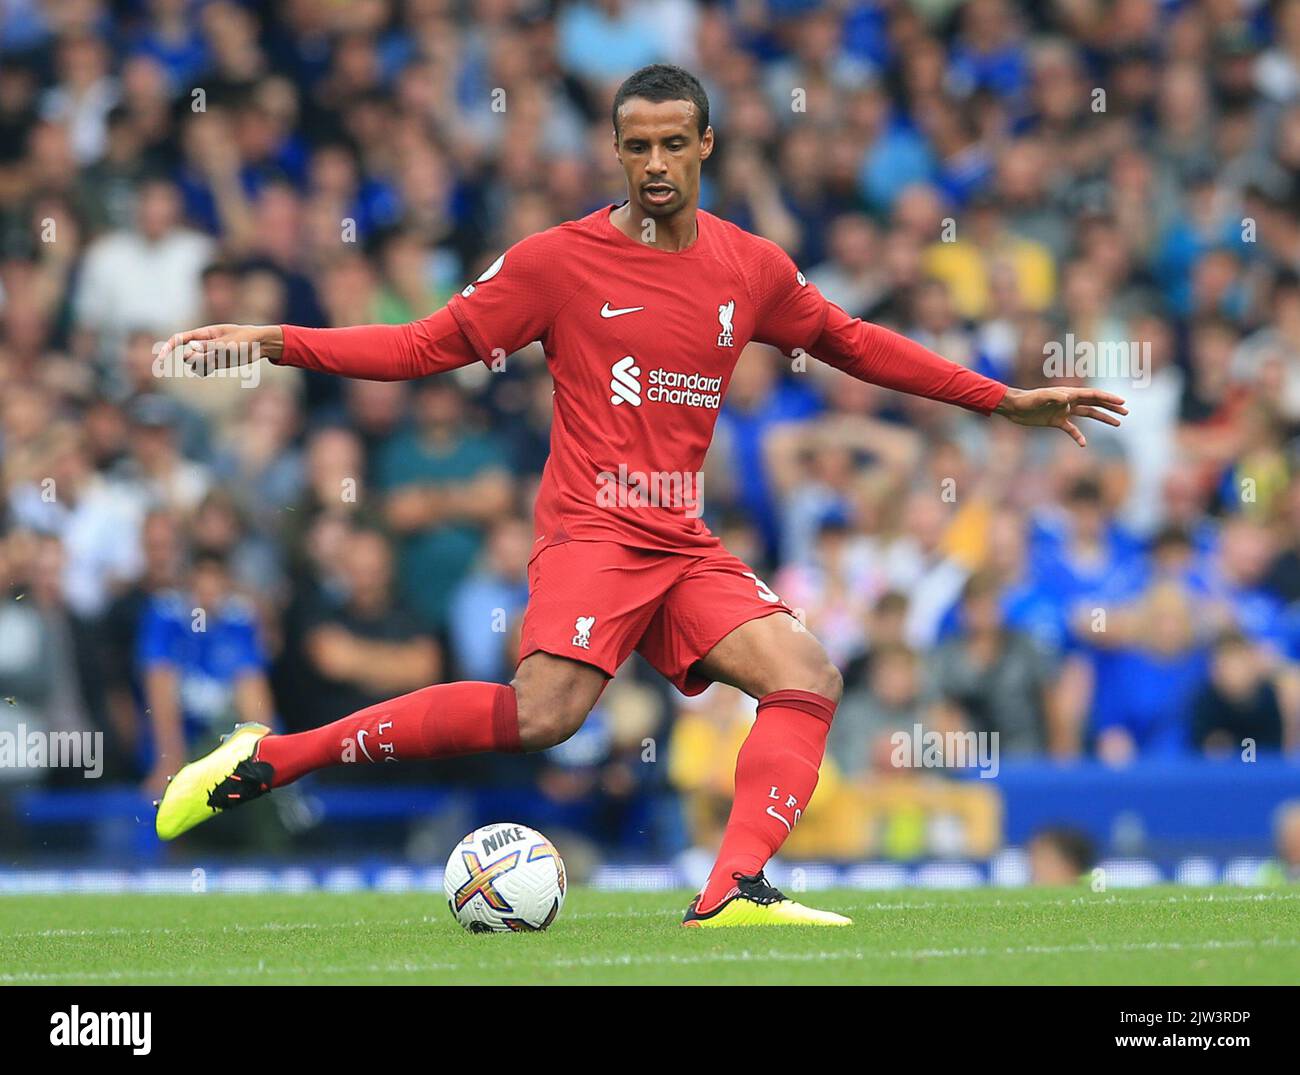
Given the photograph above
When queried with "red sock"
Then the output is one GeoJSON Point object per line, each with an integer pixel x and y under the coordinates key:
{"type": "Point", "coordinates": [776, 772]}
{"type": "Point", "coordinates": [441, 721]}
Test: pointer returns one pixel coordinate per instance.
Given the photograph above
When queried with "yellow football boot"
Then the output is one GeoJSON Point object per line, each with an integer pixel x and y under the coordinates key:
{"type": "Point", "coordinates": [757, 903]}
{"type": "Point", "coordinates": [224, 778]}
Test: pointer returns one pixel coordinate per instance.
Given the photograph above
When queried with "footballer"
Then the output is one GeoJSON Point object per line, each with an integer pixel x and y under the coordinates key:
{"type": "Point", "coordinates": [643, 309]}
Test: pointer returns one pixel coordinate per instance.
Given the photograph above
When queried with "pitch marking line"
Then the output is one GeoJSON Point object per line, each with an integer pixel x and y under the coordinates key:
{"type": "Point", "coordinates": [235, 927]}
{"type": "Point", "coordinates": [633, 959]}
{"type": "Point", "coordinates": [1075, 901]}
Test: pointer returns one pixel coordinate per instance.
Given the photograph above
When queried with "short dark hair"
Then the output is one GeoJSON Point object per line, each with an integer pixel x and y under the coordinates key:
{"type": "Point", "coordinates": [658, 82]}
{"type": "Point", "coordinates": [983, 583]}
{"type": "Point", "coordinates": [1072, 844]}
{"type": "Point", "coordinates": [1171, 536]}
{"type": "Point", "coordinates": [207, 558]}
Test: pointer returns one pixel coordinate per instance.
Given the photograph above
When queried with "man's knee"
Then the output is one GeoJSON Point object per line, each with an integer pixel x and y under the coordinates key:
{"type": "Point", "coordinates": [547, 719]}
{"type": "Point", "coordinates": [829, 682]}
{"type": "Point", "coordinates": [814, 672]}
{"type": "Point", "coordinates": [552, 703]}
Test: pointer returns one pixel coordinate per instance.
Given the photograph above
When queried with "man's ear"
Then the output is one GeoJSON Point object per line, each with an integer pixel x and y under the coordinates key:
{"type": "Point", "coordinates": [706, 143]}
{"type": "Point", "coordinates": [616, 145]}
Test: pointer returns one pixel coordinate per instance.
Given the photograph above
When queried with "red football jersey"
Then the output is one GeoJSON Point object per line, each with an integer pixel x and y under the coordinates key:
{"type": "Point", "coordinates": [641, 344]}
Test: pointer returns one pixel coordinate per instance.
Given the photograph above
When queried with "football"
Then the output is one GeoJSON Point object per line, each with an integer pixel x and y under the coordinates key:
{"type": "Point", "coordinates": [505, 878]}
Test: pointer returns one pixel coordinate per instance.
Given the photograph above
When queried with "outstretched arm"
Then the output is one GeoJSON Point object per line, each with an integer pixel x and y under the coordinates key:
{"type": "Point", "coordinates": [433, 344]}
{"type": "Point", "coordinates": [876, 354]}
{"type": "Point", "coordinates": [510, 305]}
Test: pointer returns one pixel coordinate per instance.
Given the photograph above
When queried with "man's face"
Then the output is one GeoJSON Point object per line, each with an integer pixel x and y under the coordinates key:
{"type": "Point", "coordinates": [158, 211]}
{"type": "Point", "coordinates": [661, 150]}
{"type": "Point", "coordinates": [209, 585]}
{"type": "Point", "coordinates": [151, 443]}
{"type": "Point", "coordinates": [1048, 866]}
{"type": "Point", "coordinates": [369, 567]}
{"type": "Point", "coordinates": [983, 613]}
{"type": "Point", "coordinates": [439, 405]}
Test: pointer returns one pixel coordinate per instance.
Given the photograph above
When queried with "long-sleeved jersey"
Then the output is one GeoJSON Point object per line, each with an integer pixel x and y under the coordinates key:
{"type": "Point", "coordinates": [641, 344]}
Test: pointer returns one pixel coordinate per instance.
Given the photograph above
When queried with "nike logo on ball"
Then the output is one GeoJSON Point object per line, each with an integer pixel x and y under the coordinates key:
{"type": "Point", "coordinates": [605, 311]}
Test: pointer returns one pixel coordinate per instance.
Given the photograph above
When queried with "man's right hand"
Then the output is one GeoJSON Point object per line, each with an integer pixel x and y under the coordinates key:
{"type": "Point", "coordinates": [215, 347]}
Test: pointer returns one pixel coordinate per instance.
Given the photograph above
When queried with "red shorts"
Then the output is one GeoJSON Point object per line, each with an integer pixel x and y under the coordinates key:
{"type": "Point", "coordinates": [597, 601]}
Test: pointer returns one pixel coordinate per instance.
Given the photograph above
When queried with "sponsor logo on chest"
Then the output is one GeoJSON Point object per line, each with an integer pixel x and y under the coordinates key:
{"type": "Point", "coordinates": [630, 385]}
{"type": "Point", "coordinates": [660, 385]}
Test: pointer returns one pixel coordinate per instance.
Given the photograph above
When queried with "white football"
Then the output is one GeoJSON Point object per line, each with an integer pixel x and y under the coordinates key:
{"type": "Point", "coordinates": [504, 878]}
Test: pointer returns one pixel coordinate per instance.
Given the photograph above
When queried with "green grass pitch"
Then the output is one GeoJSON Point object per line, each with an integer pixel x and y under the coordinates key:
{"type": "Point", "coordinates": [1044, 936]}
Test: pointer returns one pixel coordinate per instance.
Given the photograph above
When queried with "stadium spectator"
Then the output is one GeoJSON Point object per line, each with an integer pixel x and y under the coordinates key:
{"type": "Point", "coordinates": [949, 171]}
{"type": "Point", "coordinates": [883, 627]}
{"type": "Point", "coordinates": [147, 277]}
{"type": "Point", "coordinates": [155, 471]}
{"type": "Point", "coordinates": [444, 483]}
{"type": "Point", "coordinates": [52, 677]}
{"type": "Point", "coordinates": [85, 93]}
{"type": "Point", "coordinates": [708, 729]}
{"type": "Point", "coordinates": [202, 663]}
{"type": "Point", "coordinates": [1060, 855]}
{"type": "Point", "coordinates": [1237, 709]}
{"type": "Point", "coordinates": [365, 647]}
{"type": "Point", "coordinates": [997, 678]}
{"type": "Point", "coordinates": [491, 596]}
{"type": "Point", "coordinates": [1151, 665]}
{"type": "Point", "coordinates": [1285, 868]}
{"type": "Point", "coordinates": [895, 699]}
{"type": "Point", "coordinates": [95, 523]}
{"type": "Point", "coordinates": [163, 550]}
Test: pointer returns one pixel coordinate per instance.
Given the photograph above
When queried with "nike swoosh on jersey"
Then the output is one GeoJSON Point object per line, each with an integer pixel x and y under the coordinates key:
{"type": "Point", "coordinates": [605, 311]}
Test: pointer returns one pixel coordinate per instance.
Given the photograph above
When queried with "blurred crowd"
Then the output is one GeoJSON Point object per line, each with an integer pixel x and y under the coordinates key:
{"type": "Point", "coordinates": [988, 177]}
